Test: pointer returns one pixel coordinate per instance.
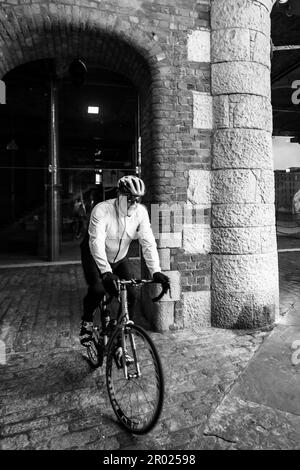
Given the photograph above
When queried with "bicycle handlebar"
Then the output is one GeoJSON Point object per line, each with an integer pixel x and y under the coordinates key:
{"type": "Point", "coordinates": [136, 282]}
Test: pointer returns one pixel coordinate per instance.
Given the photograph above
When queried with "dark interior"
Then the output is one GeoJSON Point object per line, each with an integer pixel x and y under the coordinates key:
{"type": "Point", "coordinates": [94, 151]}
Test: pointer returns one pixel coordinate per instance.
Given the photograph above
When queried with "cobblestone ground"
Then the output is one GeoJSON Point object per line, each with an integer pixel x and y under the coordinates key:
{"type": "Point", "coordinates": [52, 399]}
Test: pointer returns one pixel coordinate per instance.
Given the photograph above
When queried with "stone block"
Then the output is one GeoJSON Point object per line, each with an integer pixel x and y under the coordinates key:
{"type": "Point", "coordinates": [160, 315]}
{"type": "Point", "coordinates": [240, 77]}
{"type": "Point", "coordinates": [244, 240]}
{"type": "Point", "coordinates": [242, 148]}
{"type": "Point", "coordinates": [198, 46]}
{"type": "Point", "coordinates": [245, 273]}
{"type": "Point", "coordinates": [260, 48]}
{"type": "Point", "coordinates": [241, 14]}
{"type": "Point", "coordinates": [164, 317]}
{"type": "Point", "coordinates": [196, 309]}
{"type": "Point", "coordinates": [244, 309]}
{"type": "Point", "coordinates": [197, 238]}
{"type": "Point", "coordinates": [17, 442]}
{"type": "Point", "coordinates": [221, 113]}
{"type": "Point", "coordinates": [199, 187]}
{"type": "Point", "coordinates": [202, 110]}
{"type": "Point", "coordinates": [243, 186]}
{"type": "Point", "coordinates": [250, 111]}
{"type": "Point", "coordinates": [242, 111]}
{"type": "Point", "coordinates": [164, 257]}
{"type": "Point", "coordinates": [170, 240]}
{"type": "Point", "coordinates": [230, 44]}
{"type": "Point", "coordinates": [242, 215]}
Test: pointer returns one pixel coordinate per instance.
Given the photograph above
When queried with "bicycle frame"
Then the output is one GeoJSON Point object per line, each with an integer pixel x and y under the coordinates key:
{"type": "Point", "coordinates": [122, 322]}
{"type": "Point", "coordinates": [136, 406]}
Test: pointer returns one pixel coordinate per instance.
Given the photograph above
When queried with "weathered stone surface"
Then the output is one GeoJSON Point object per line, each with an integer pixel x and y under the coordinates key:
{"type": "Point", "coordinates": [242, 215]}
{"type": "Point", "coordinates": [247, 273]}
{"type": "Point", "coordinates": [240, 77]}
{"type": "Point", "coordinates": [170, 240]}
{"type": "Point", "coordinates": [197, 238]}
{"type": "Point", "coordinates": [242, 186]}
{"type": "Point", "coordinates": [251, 426]}
{"type": "Point", "coordinates": [198, 46]}
{"type": "Point", "coordinates": [201, 367]}
{"type": "Point", "coordinates": [250, 111]}
{"type": "Point", "coordinates": [196, 309]}
{"type": "Point", "coordinates": [289, 288]}
{"type": "Point", "coordinates": [244, 309]}
{"type": "Point", "coordinates": [18, 442]}
{"type": "Point", "coordinates": [236, 44]}
{"type": "Point", "coordinates": [221, 112]}
{"type": "Point", "coordinates": [199, 187]}
{"type": "Point", "coordinates": [273, 377]}
{"type": "Point", "coordinates": [242, 148]}
{"type": "Point", "coordinates": [241, 14]}
{"type": "Point", "coordinates": [230, 44]}
{"type": "Point", "coordinates": [260, 48]}
{"type": "Point", "coordinates": [243, 240]}
{"type": "Point", "coordinates": [164, 257]}
{"type": "Point", "coordinates": [242, 111]}
{"type": "Point", "coordinates": [165, 317]}
{"type": "Point", "coordinates": [202, 110]}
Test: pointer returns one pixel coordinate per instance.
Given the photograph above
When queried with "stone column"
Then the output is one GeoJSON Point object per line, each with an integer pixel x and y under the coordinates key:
{"type": "Point", "coordinates": [244, 251]}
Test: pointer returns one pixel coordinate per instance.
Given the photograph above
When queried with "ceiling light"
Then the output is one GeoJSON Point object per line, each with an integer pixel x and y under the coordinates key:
{"type": "Point", "coordinates": [93, 109]}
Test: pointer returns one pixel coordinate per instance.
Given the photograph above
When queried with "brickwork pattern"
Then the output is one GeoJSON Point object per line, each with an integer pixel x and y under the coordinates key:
{"type": "Point", "coordinates": [148, 43]}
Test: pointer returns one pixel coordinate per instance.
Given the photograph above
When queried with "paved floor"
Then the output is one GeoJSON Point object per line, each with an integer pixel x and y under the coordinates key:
{"type": "Point", "coordinates": [224, 389]}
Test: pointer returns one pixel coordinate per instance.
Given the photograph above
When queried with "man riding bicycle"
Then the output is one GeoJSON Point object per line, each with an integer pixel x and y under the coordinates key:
{"type": "Point", "coordinates": [113, 225]}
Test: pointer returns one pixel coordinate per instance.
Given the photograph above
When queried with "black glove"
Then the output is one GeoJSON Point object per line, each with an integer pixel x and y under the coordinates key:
{"type": "Point", "coordinates": [162, 279]}
{"type": "Point", "coordinates": [109, 281]}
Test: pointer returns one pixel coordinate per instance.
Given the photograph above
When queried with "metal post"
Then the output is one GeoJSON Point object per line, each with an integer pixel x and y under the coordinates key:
{"type": "Point", "coordinates": [54, 178]}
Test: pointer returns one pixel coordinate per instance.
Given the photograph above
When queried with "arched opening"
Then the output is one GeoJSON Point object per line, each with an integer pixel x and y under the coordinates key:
{"type": "Point", "coordinates": [96, 138]}
{"type": "Point", "coordinates": [285, 25]}
{"type": "Point", "coordinates": [285, 20]}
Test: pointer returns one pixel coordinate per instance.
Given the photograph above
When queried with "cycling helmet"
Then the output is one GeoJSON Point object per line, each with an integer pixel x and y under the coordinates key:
{"type": "Point", "coordinates": [131, 185]}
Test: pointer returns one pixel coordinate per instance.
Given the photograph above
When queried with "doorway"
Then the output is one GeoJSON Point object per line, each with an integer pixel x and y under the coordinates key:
{"type": "Point", "coordinates": [97, 142]}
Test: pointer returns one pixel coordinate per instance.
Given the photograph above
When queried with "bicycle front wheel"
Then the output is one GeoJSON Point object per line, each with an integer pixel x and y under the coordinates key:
{"type": "Point", "coordinates": [137, 399]}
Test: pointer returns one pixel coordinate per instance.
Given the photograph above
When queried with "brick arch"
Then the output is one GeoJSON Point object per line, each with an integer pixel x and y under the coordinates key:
{"type": "Point", "coordinates": [37, 31]}
{"type": "Point", "coordinates": [32, 32]}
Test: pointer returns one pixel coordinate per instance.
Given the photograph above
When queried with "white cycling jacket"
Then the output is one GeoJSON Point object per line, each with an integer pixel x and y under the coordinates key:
{"type": "Point", "coordinates": [110, 235]}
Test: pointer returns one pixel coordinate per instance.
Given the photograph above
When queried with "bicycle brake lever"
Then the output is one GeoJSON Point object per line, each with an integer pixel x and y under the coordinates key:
{"type": "Point", "coordinates": [163, 292]}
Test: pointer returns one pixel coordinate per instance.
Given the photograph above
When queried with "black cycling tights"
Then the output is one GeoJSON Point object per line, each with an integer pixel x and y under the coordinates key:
{"type": "Point", "coordinates": [96, 290]}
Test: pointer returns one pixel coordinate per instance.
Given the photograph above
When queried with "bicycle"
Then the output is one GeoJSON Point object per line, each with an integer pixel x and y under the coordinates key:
{"type": "Point", "coordinates": [135, 388]}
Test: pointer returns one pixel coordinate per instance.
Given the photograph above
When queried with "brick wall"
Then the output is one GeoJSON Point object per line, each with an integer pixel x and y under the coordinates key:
{"type": "Point", "coordinates": [158, 46]}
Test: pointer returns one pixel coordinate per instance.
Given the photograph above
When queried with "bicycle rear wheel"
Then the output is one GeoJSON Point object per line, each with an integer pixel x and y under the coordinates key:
{"type": "Point", "coordinates": [137, 401]}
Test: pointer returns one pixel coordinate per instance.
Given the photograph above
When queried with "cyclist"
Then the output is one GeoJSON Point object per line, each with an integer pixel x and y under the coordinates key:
{"type": "Point", "coordinates": [113, 225]}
